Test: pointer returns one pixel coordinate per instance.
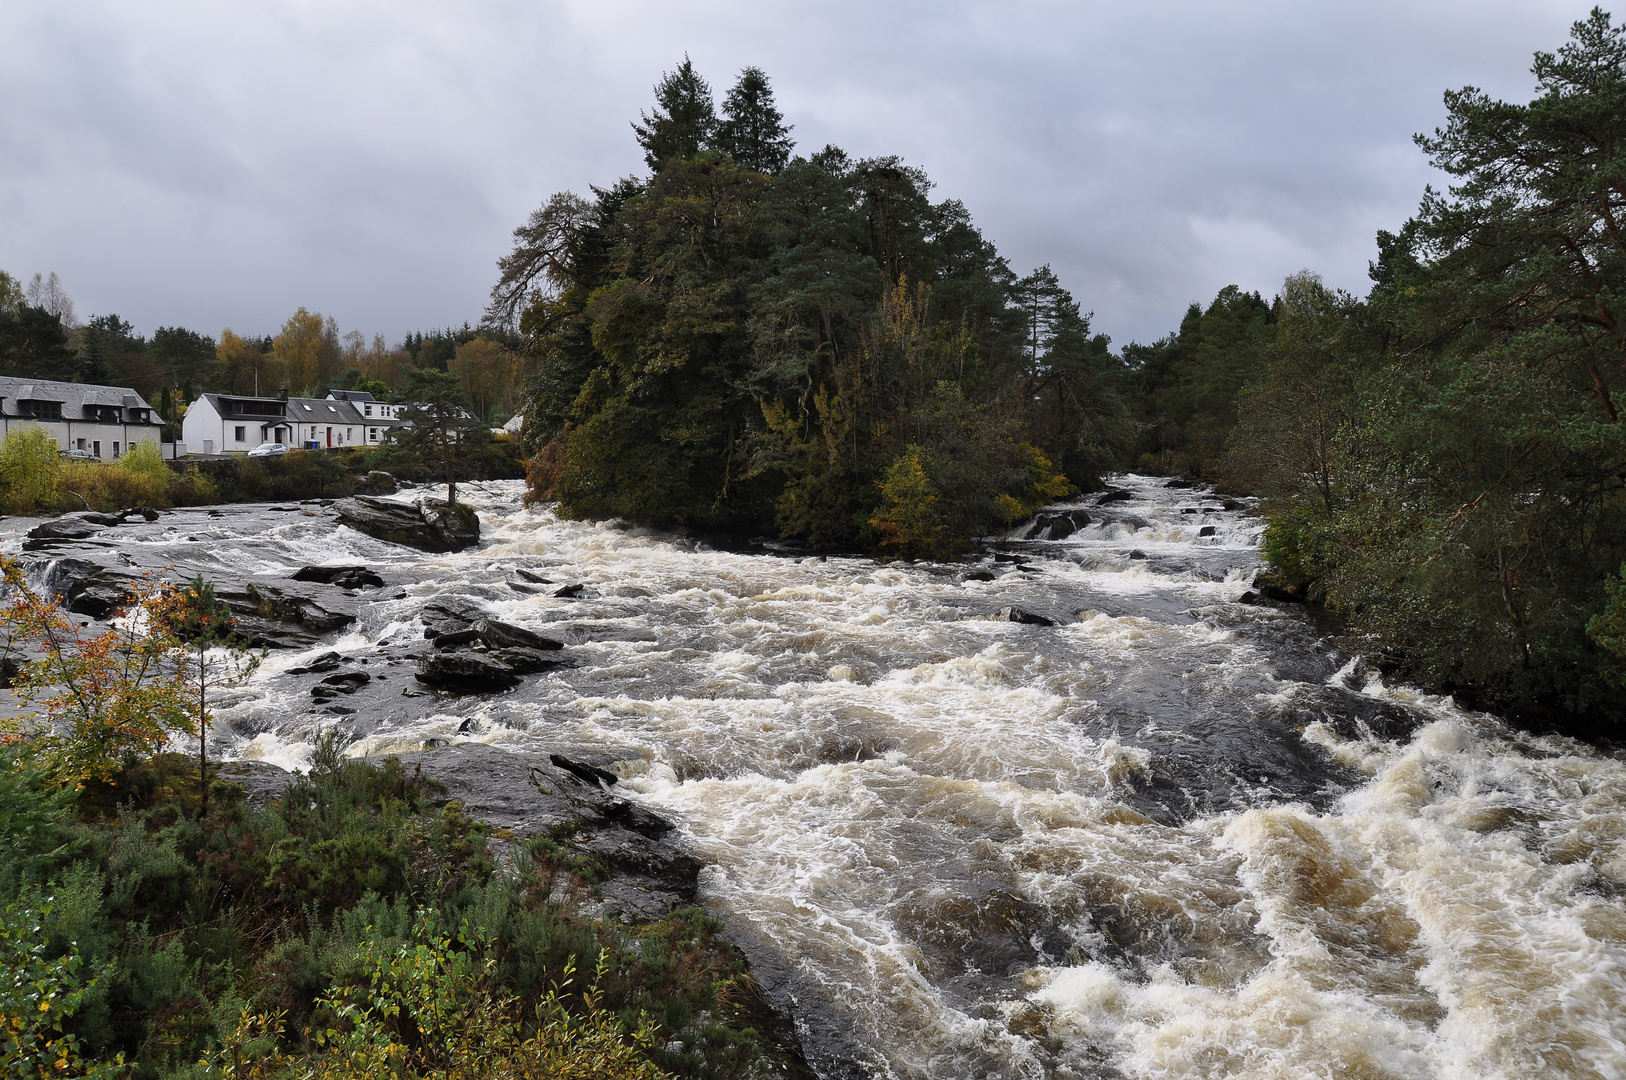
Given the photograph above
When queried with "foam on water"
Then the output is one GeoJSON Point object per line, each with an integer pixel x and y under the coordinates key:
{"type": "Point", "coordinates": [1171, 836]}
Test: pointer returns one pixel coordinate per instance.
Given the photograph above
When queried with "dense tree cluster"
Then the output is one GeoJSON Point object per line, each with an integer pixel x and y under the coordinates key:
{"type": "Point", "coordinates": [812, 345]}
{"type": "Point", "coordinates": [1444, 460]}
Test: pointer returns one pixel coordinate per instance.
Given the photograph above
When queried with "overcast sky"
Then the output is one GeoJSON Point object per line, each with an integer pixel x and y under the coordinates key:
{"type": "Point", "coordinates": [220, 164]}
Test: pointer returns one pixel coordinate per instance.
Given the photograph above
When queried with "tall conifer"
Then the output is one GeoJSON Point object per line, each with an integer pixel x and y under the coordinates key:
{"type": "Point", "coordinates": [753, 131]}
{"type": "Point", "coordinates": [684, 119]}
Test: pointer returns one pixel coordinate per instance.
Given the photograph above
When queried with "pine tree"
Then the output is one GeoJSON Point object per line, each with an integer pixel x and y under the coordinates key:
{"type": "Point", "coordinates": [684, 119]}
{"type": "Point", "coordinates": [753, 131]}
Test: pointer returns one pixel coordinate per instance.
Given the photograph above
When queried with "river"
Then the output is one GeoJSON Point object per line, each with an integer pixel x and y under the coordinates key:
{"type": "Point", "coordinates": [1172, 835]}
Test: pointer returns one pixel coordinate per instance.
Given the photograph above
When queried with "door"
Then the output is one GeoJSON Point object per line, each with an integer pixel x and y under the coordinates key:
{"type": "Point", "coordinates": [330, 437]}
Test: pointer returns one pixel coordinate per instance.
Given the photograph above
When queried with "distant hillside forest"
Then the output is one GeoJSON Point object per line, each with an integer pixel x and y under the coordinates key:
{"type": "Point", "coordinates": [751, 339]}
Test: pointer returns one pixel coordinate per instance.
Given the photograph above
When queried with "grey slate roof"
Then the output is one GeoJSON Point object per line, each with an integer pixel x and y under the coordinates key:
{"type": "Point", "coordinates": [75, 397]}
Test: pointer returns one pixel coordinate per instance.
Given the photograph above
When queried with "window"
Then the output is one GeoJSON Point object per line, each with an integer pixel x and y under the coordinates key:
{"type": "Point", "coordinates": [372, 434]}
{"type": "Point", "coordinates": [96, 448]}
{"type": "Point", "coordinates": [241, 433]}
{"type": "Point", "coordinates": [41, 410]}
{"type": "Point", "coordinates": [369, 409]}
{"type": "Point", "coordinates": [115, 450]}
{"type": "Point", "coordinates": [349, 435]}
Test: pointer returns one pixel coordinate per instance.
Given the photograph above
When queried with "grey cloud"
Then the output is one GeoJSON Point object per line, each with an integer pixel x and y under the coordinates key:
{"type": "Point", "coordinates": [215, 165]}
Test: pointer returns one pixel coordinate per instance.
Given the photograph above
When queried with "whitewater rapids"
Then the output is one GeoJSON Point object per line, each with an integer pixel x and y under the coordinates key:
{"type": "Point", "coordinates": [1174, 835]}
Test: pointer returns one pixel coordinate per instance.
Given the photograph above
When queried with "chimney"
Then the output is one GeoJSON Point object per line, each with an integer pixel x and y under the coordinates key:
{"type": "Point", "coordinates": [282, 392]}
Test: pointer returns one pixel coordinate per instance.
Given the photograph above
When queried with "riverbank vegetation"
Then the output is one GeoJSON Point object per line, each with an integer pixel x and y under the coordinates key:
{"type": "Point", "coordinates": [35, 479]}
{"type": "Point", "coordinates": [1444, 461]}
{"type": "Point", "coordinates": [156, 923]}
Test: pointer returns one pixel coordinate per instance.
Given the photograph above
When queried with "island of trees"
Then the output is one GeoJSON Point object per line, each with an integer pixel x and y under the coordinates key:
{"type": "Point", "coordinates": [750, 339]}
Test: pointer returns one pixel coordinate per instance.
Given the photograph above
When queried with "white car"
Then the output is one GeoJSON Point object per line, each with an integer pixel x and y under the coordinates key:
{"type": "Point", "coordinates": [269, 449]}
{"type": "Point", "coordinates": [77, 455]}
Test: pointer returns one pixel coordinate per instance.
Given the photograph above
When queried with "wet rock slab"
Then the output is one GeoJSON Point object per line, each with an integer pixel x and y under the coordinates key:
{"type": "Point", "coordinates": [428, 524]}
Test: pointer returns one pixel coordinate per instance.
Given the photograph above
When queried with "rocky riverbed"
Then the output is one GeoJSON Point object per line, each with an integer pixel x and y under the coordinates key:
{"type": "Point", "coordinates": [1089, 804]}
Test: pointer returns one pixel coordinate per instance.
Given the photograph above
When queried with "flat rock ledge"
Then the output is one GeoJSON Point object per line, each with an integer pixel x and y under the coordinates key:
{"type": "Point", "coordinates": [428, 524]}
{"type": "Point", "coordinates": [561, 792]}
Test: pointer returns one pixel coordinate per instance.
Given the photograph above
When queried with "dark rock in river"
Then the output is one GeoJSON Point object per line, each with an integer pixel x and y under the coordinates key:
{"type": "Point", "coordinates": [466, 671]}
{"type": "Point", "coordinates": [570, 591]}
{"type": "Point", "coordinates": [379, 482]}
{"type": "Point", "coordinates": [86, 588]}
{"type": "Point", "coordinates": [494, 635]}
{"type": "Point", "coordinates": [977, 575]}
{"type": "Point", "coordinates": [1207, 530]}
{"type": "Point", "coordinates": [326, 662]}
{"type": "Point", "coordinates": [321, 612]}
{"type": "Point", "coordinates": [1057, 526]}
{"type": "Point", "coordinates": [345, 577]}
{"type": "Point", "coordinates": [533, 577]}
{"type": "Point", "coordinates": [584, 770]}
{"type": "Point", "coordinates": [428, 524]}
{"type": "Point", "coordinates": [1027, 618]}
{"type": "Point", "coordinates": [1273, 588]}
{"type": "Point", "coordinates": [448, 614]}
{"type": "Point", "coordinates": [69, 527]}
{"type": "Point", "coordinates": [1114, 497]}
{"type": "Point", "coordinates": [528, 661]}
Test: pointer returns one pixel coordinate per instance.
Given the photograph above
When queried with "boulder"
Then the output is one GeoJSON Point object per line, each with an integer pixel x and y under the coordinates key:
{"type": "Point", "coordinates": [69, 527]}
{"type": "Point", "coordinates": [494, 635]}
{"type": "Point", "coordinates": [533, 577]}
{"type": "Point", "coordinates": [316, 612]}
{"type": "Point", "coordinates": [448, 614]}
{"type": "Point", "coordinates": [977, 575]}
{"type": "Point", "coordinates": [467, 671]}
{"type": "Point", "coordinates": [569, 591]}
{"type": "Point", "coordinates": [528, 661]}
{"type": "Point", "coordinates": [428, 525]}
{"type": "Point", "coordinates": [345, 577]}
{"type": "Point", "coordinates": [1271, 587]}
{"type": "Point", "coordinates": [326, 662]}
{"type": "Point", "coordinates": [1024, 616]}
{"type": "Point", "coordinates": [261, 781]}
{"type": "Point", "coordinates": [584, 770]}
{"type": "Point", "coordinates": [1114, 497]}
{"type": "Point", "coordinates": [1057, 526]}
{"type": "Point", "coordinates": [379, 482]}
{"type": "Point", "coordinates": [86, 588]}
{"type": "Point", "coordinates": [1207, 530]}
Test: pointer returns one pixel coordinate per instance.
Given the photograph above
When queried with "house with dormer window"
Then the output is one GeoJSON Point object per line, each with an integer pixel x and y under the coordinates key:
{"type": "Point", "coordinates": [101, 420]}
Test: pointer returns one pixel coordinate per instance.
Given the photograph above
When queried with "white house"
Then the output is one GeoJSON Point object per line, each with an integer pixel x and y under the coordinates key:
{"type": "Point", "coordinates": [378, 418]}
{"type": "Point", "coordinates": [231, 423]}
{"type": "Point", "coordinates": [222, 423]}
{"type": "Point", "coordinates": [101, 420]}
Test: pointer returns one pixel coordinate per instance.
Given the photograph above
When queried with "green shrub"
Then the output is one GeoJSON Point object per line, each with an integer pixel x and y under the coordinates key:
{"type": "Point", "coordinates": [29, 468]}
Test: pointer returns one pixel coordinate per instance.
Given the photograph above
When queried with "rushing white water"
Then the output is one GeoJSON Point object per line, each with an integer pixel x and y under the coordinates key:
{"type": "Point", "coordinates": [1171, 836]}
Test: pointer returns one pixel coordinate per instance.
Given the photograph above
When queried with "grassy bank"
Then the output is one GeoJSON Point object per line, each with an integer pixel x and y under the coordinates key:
{"type": "Point", "coordinates": [347, 927]}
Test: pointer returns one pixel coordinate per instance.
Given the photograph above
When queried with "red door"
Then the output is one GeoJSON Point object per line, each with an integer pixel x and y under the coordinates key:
{"type": "Point", "coordinates": [330, 437]}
